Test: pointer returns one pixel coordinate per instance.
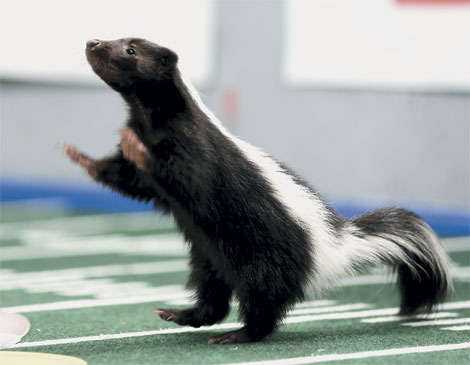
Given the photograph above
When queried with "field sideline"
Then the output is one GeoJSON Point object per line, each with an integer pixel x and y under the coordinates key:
{"type": "Point", "coordinates": [89, 285]}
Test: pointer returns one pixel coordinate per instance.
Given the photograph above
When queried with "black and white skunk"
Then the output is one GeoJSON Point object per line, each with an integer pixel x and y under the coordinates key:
{"type": "Point", "coordinates": [255, 230]}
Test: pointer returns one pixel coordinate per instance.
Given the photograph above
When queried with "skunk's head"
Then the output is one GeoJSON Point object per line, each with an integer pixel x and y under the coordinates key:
{"type": "Point", "coordinates": [122, 63]}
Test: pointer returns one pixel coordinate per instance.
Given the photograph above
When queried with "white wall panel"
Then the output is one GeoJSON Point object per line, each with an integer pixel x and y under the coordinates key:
{"type": "Point", "coordinates": [377, 43]}
{"type": "Point", "coordinates": [46, 39]}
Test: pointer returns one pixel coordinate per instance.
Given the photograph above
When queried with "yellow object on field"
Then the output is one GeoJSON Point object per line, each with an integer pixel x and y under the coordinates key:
{"type": "Point", "coordinates": [37, 358]}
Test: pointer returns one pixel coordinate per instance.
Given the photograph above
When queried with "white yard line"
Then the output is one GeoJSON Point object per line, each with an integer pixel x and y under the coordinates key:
{"type": "Point", "coordinates": [96, 223]}
{"type": "Point", "coordinates": [337, 308]}
{"type": "Point", "coordinates": [177, 292]}
{"type": "Point", "coordinates": [115, 336]}
{"type": "Point", "coordinates": [58, 245]}
{"type": "Point", "coordinates": [340, 315]}
{"type": "Point", "coordinates": [461, 273]}
{"type": "Point", "coordinates": [439, 322]}
{"type": "Point", "coordinates": [61, 238]}
{"type": "Point", "coordinates": [14, 280]}
{"type": "Point", "coordinates": [458, 244]}
{"type": "Point", "coordinates": [74, 220]}
{"type": "Point", "coordinates": [316, 303]}
{"type": "Point", "coordinates": [164, 293]}
{"type": "Point", "coordinates": [455, 305]}
{"type": "Point", "coordinates": [366, 313]}
{"type": "Point", "coordinates": [457, 328]}
{"type": "Point", "coordinates": [402, 318]}
{"type": "Point", "coordinates": [359, 355]}
{"type": "Point", "coordinates": [295, 319]}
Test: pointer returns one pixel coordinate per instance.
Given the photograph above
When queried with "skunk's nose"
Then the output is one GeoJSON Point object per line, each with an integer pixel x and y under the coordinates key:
{"type": "Point", "coordinates": [92, 43]}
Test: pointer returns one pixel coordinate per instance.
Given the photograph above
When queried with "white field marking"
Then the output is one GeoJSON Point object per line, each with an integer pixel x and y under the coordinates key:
{"type": "Point", "coordinates": [175, 294]}
{"type": "Point", "coordinates": [18, 280]}
{"type": "Point", "coordinates": [454, 305]}
{"type": "Point", "coordinates": [457, 328]}
{"type": "Point", "coordinates": [337, 308]}
{"type": "Point", "coordinates": [225, 326]}
{"type": "Point", "coordinates": [438, 322]}
{"type": "Point", "coordinates": [94, 224]}
{"type": "Point", "coordinates": [316, 303]}
{"type": "Point", "coordinates": [461, 273]}
{"type": "Point", "coordinates": [166, 331]}
{"type": "Point", "coordinates": [403, 318]}
{"type": "Point", "coordinates": [189, 301]}
{"type": "Point", "coordinates": [67, 246]}
{"type": "Point", "coordinates": [297, 319]}
{"type": "Point", "coordinates": [458, 244]}
{"type": "Point", "coordinates": [35, 280]}
{"type": "Point", "coordinates": [340, 315]}
{"type": "Point", "coordinates": [83, 282]}
{"type": "Point", "coordinates": [308, 304]}
{"type": "Point", "coordinates": [12, 280]}
{"type": "Point", "coordinates": [58, 280]}
{"type": "Point", "coordinates": [49, 243]}
{"type": "Point", "coordinates": [366, 313]}
{"type": "Point", "coordinates": [164, 293]}
{"type": "Point", "coordinates": [97, 288]}
{"type": "Point", "coordinates": [182, 301]}
{"type": "Point", "coordinates": [359, 355]}
{"type": "Point", "coordinates": [368, 279]}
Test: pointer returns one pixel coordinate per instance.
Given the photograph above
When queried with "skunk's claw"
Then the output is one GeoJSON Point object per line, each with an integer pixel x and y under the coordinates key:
{"type": "Point", "coordinates": [78, 157]}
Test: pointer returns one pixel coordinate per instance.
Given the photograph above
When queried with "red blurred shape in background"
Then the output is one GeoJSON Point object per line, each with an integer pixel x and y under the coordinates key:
{"type": "Point", "coordinates": [229, 98]}
{"type": "Point", "coordinates": [434, 2]}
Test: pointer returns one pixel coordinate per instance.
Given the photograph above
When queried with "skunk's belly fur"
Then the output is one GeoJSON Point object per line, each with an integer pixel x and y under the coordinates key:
{"type": "Point", "coordinates": [254, 229]}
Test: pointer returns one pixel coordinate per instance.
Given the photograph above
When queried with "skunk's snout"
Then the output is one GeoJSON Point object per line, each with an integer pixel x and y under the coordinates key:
{"type": "Point", "coordinates": [92, 44]}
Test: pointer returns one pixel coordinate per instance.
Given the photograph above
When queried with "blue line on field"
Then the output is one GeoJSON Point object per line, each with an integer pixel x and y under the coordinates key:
{"type": "Point", "coordinates": [67, 195]}
{"type": "Point", "coordinates": [446, 222]}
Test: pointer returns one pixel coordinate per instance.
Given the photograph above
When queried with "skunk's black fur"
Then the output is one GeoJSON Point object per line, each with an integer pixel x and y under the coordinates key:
{"type": "Point", "coordinates": [231, 202]}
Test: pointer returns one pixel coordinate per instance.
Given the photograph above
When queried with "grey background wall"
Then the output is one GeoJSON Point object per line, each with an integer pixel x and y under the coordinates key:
{"type": "Point", "coordinates": [372, 146]}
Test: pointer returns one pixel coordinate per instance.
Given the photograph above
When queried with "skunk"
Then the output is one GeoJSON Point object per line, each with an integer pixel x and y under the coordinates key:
{"type": "Point", "coordinates": [255, 230]}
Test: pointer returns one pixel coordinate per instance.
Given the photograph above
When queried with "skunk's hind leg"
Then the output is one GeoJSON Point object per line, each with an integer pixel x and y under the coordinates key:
{"type": "Point", "coordinates": [261, 313]}
{"type": "Point", "coordinates": [212, 299]}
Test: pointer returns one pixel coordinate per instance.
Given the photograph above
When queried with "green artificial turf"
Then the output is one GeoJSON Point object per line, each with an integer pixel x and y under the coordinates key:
{"type": "Point", "coordinates": [36, 230]}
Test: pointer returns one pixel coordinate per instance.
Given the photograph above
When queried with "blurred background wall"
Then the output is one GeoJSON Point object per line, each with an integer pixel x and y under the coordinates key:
{"type": "Point", "coordinates": [390, 129]}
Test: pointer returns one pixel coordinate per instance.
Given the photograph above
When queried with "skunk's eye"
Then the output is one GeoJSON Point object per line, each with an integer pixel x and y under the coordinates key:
{"type": "Point", "coordinates": [130, 51]}
{"type": "Point", "coordinates": [164, 61]}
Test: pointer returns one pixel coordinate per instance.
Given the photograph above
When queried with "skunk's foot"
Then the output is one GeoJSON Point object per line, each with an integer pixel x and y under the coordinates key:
{"type": "Point", "coordinates": [133, 149]}
{"type": "Point", "coordinates": [78, 157]}
{"type": "Point", "coordinates": [183, 317]}
{"type": "Point", "coordinates": [238, 336]}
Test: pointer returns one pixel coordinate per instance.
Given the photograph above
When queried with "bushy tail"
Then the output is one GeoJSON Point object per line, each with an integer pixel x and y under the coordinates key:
{"type": "Point", "coordinates": [403, 240]}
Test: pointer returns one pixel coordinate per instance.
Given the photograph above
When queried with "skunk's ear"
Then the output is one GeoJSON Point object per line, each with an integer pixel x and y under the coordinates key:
{"type": "Point", "coordinates": [168, 58]}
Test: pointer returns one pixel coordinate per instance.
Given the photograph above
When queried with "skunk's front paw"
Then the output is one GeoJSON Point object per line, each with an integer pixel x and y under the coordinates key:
{"type": "Point", "coordinates": [78, 157]}
{"type": "Point", "coordinates": [183, 317]}
{"type": "Point", "coordinates": [133, 149]}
